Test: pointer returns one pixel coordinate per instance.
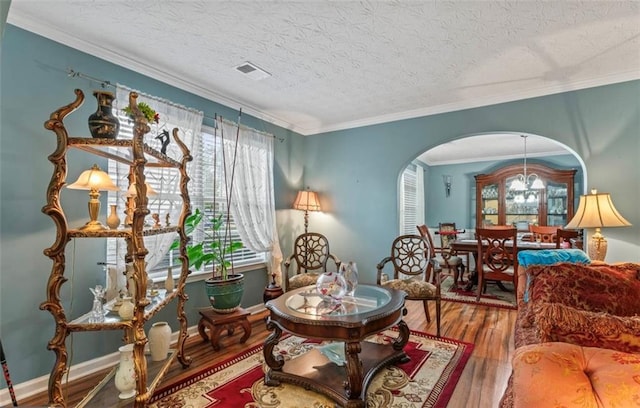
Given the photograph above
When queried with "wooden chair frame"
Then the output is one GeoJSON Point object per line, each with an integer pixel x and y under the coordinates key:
{"type": "Point", "coordinates": [412, 255]}
{"type": "Point", "coordinates": [543, 233]}
{"type": "Point", "coordinates": [496, 260]}
{"type": "Point", "coordinates": [563, 235]}
{"type": "Point", "coordinates": [311, 253]}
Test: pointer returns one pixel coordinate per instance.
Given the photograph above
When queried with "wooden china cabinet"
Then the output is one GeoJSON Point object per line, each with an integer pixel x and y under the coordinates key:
{"type": "Point", "coordinates": [138, 155]}
{"type": "Point", "coordinates": [497, 205]}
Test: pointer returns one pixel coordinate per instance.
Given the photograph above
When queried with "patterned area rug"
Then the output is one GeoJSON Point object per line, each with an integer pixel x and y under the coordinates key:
{"type": "Point", "coordinates": [494, 295]}
{"type": "Point", "coordinates": [428, 380]}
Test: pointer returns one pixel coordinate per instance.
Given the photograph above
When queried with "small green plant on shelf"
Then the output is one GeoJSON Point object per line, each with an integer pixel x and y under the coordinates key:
{"type": "Point", "coordinates": [148, 112]}
{"type": "Point", "coordinates": [213, 249]}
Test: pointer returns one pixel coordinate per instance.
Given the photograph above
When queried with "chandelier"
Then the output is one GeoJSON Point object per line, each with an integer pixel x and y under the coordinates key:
{"type": "Point", "coordinates": [524, 182]}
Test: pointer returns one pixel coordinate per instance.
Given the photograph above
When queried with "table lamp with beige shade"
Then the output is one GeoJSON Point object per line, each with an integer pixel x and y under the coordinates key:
{"type": "Point", "coordinates": [131, 194]}
{"type": "Point", "coordinates": [94, 180]}
{"type": "Point", "coordinates": [596, 210]}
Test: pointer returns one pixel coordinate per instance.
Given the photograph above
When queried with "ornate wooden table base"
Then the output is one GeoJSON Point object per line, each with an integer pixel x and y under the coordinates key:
{"type": "Point", "coordinates": [346, 384]}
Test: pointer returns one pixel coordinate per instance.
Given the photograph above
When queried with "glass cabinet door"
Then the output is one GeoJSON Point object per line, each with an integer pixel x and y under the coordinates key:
{"type": "Point", "coordinates": [490, 204]}
{"type": "Point", "coordinates": [497, 204]}
{"type": "Point", "coordinates": [521, 207]}
{"type": "Point", "coordinates": [557, 204]}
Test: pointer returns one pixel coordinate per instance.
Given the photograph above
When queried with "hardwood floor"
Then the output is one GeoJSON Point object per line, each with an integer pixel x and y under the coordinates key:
{"type": "Point", "coordinates": [480, 386]}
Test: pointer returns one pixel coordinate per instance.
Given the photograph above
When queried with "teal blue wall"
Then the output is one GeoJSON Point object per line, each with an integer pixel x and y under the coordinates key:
{"type": "Point", "coordinates": [459, 207]}
{"type": "Point", "coordinates": [355, 171]}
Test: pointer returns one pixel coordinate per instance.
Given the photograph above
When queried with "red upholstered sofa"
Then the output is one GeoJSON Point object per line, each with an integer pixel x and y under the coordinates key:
{"type": "Point", "coordinates": [577, 337]}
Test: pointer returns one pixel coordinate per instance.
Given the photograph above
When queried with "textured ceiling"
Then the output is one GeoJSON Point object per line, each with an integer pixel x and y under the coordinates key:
{"type": "Point", "coordinates": [341, 64]}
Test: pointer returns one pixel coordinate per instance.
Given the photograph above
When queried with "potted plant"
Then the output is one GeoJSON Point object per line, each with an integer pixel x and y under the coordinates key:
{"type": "Point", "coordinates": [224, 288]}
{"type": "Point", "coordinates": [146, 110]}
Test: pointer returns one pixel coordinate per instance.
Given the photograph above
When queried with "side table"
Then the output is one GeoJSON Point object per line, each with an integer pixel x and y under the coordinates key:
{"type": "Point", "coordinates": [217, 322]}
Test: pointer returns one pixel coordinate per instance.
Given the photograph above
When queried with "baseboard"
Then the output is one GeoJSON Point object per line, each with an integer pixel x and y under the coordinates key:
{"type": "Point", "coordinates": [41, 384]}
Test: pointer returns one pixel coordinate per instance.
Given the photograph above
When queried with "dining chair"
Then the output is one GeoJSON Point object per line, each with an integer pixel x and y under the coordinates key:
{"type": "Point", "coordinates": [446, 257]}
{"type": "Point", "coordinates": [543, 233]}
{"type": "Point", "coordinates": [570, 236]}
{"type": "Point", "coordinates": [311, 255]}
{"type": "Point", "coordinates": [497, 259]}
{"type": "Point", "coordinates": [412, 261]}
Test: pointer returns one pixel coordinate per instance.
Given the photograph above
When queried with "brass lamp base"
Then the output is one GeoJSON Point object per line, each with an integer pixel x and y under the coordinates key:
{"type": "Point", "coordinates": [93, 226]}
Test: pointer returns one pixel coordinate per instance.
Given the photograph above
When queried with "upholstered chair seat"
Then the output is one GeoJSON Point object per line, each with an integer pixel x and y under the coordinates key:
{"type": "Point", "coordinates": [301, 280]}
{"type": "Point", "coordinates": [415, 288]}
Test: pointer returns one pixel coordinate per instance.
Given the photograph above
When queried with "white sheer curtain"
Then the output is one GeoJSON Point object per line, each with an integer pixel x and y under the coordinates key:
{"type": "Point", "coordinates": [252, 199]}
{"type": "Point", "coordinates": [167, 203]}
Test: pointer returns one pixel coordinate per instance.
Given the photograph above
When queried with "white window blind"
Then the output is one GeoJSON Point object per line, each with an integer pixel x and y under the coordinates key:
{"type": "Point", "coordinates": [411, 199]}
{"type": "Point", "coordinates": [201, 192]}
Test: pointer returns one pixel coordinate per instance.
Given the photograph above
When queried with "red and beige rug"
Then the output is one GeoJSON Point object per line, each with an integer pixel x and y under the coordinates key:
{"type": "Point", "coordinates": [428, 380]}
{"type": "Point", "coordinates": [494, 296]}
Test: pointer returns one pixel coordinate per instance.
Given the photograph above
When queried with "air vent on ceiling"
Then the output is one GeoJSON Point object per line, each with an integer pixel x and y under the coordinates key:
{"type": "Point", "coordinates": [252, 71]}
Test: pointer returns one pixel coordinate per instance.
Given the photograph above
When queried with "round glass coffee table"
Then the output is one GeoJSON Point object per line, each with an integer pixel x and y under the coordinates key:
{"type": "Point", "coordinates": [343, 373]}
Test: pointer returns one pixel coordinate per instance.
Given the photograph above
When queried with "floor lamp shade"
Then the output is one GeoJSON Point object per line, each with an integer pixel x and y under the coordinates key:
{"type": "Point", "coordinates": [306, 201]}
{"type": "Point", "coordinates": [596, 210]}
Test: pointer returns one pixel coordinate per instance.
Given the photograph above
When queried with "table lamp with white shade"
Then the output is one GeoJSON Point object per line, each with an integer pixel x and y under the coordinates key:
{"type": "Point", "coordinates": [596, 210]}
{"type": "Point", "coordinates": [94, 180]}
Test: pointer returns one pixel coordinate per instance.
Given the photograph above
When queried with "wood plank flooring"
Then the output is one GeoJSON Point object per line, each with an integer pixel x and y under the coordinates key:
{"type": "Point", "coordinates": [480, 386]}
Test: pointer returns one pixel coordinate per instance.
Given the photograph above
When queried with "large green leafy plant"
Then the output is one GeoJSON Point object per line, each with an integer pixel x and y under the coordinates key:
{"type": "Point", "coordinates": [215, 247]}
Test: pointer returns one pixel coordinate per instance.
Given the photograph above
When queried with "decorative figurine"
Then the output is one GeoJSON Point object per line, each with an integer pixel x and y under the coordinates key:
{"type": "Point", "coordinates": [156, 219]}
{"type": "Point", "coordinates": [97, 311]}
{"type": "Point", "coordinates": [273, 290]}
{"type": "Point", "coordinates": [166, 220]}
{"type": "Point", "coordinates": [164, 139]}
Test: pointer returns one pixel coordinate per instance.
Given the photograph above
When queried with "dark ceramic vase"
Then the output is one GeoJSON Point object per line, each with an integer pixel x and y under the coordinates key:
{"type": "Point", "coordinates": [102, 123]}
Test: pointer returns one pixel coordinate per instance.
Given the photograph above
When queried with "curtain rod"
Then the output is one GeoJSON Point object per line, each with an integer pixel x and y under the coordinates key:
{"type": "Point", "coordinates": [104, 83]}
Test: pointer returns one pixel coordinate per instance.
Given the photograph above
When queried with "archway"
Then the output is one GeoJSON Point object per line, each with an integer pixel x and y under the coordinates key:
{"type": "Point", "coordinates": [457, 163]}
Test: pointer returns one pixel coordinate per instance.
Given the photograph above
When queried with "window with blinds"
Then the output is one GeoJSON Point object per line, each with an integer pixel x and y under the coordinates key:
{"type": "Point", "coordinates": [211, 200]}
{"type": "Point", "coordinates": [411, 199]}
{"type": "Point", "coordinates": [408, 205]}
{"type": "Point", "coordinates": [202, 194]}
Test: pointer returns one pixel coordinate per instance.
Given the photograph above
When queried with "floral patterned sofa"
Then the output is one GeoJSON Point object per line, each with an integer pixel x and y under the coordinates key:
{"type": "Point", "coordinates": [577, 333]}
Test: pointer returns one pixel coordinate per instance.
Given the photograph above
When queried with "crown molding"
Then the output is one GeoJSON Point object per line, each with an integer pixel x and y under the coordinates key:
{"type": "Point", "coordinates": [481, 102]}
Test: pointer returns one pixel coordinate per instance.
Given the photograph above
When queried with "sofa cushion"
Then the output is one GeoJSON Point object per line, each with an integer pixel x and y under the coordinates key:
{"type": "Point", "coordinates": [565, 375]}
{"type": "Point", "coordinates": [558, 322]}
{"type": "Point", "coordinates": [530, 257]}
{"type": "Point", "coordinates": [605, 288]}
{"type": "Point", "coordinates": [629, 270]}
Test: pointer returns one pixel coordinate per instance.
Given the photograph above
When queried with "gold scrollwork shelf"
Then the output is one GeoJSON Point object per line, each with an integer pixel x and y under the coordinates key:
{"type": "Point", "coordinates": [137, 155]}
{"type": "Point", "coordinates": [120, 233]}
{"type": "Point", "coordinates": [120, 150]}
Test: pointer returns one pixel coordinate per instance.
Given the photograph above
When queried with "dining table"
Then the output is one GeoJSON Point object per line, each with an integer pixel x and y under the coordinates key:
{"type": "Point", "coordinates": [471, 246]}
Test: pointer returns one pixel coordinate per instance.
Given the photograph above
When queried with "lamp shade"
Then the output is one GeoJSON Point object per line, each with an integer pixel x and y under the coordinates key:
{"type": "Point", "coordinates": [94, 179]}
{"type": "Point", "coordinates": [131, 192]}
{"type": "Point", "coordinates": [307, 201]}
{"type": "Point", "coordinates": [596, 210]}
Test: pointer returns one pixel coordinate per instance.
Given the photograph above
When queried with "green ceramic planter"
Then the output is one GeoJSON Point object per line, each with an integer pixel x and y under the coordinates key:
{"type": "Point", "coordinates": [225, 295]}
